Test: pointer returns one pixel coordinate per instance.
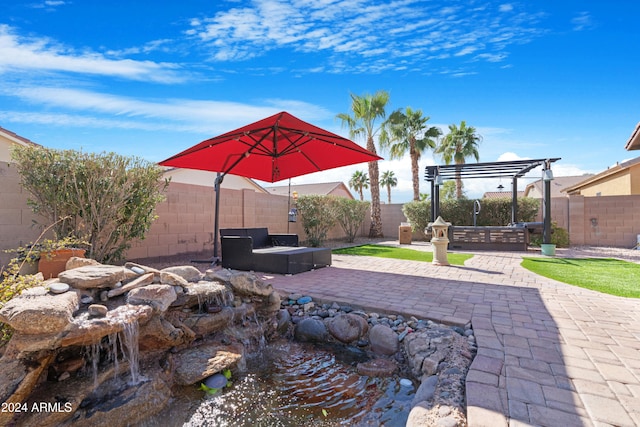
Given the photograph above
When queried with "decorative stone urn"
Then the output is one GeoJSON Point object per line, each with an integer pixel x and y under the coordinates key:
{"type": "Point", "coordinates": [439, 241]}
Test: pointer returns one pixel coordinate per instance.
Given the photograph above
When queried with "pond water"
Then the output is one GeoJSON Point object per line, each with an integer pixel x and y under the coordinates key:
{"type": "Point", "coordinates": [295, 384]}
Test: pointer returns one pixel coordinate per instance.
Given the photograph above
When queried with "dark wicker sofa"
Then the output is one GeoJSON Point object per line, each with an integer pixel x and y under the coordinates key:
{"type": "Point", "coordinates": [255, 249]}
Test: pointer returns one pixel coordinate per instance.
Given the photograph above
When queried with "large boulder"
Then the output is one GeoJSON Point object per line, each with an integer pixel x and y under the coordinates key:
{"type": "Point", "coordinates": [383, 340]}
{"type": "Point", "coordinates": [196, 364]}
{"type": "Point", "coordinates": [75, 262]}
{"type": "Point", "coordinates": [312, 330]}
{"type": "Point", "coordinates": [208, 323]}
{"type": "Point", "coordinates": [348, 327]}
{"type": "Point", "coordinates": [95, 276]}
{"type": "Point", "coordinates": [20, 376]}
{"type": "Point", "coordinates": [38, 312]}
{"type": "Point", "coordinates": [159, 297]}
{"type": "Point", "coordinates": [169, 278]}
{"type": "Point", "coordinates": [159, 334]}
{"type": "Point", "coordinates": [224, 275]}
{"type": "Point", "coordinates": [92, 330]}
{"type": "Point", "coordinates": [211, 293]}
{"type": "Point", "coordinates": [187, 272]}
{"type": "Point", "coordinates": [250, 284]}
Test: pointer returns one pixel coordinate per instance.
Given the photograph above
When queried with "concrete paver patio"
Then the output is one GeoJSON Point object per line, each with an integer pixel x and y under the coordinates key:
{"type": "Point", "coordinates": [549, 354]}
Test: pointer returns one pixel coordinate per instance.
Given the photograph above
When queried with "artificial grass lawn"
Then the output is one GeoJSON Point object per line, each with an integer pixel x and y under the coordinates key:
{"type": "Point", "coordinates": [606, 275]}
{"type": "Point", "coordinates": [399, 253]}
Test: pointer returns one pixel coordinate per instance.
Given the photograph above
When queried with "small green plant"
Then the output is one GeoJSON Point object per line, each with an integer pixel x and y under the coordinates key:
{"type": "Point", "coordinates": [34, 251]}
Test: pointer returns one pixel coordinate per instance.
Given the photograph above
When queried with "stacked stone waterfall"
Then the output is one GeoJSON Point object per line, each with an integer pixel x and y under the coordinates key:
{"type": "Point", "coordinates": [103, 345]}
{"type": "Point", "coordinates": [75, 349]}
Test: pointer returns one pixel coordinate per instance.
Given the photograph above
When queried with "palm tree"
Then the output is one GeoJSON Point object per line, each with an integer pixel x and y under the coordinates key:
{"type": "Point", "coordinates": [359, 181]}
{"type": "Point", "coordinates": [388, 180]}
{"type": "Point", "coordinates": [457, 145]}
{"type": "Point", "coordinates": [368, 109]}
{"type": "Point", "coordinates": [408, 132]}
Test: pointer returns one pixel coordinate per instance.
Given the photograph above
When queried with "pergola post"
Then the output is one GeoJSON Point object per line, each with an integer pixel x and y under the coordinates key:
{"type": "Point", "coordinates": [433, 203]}
{"type": "Point", "coordinates": [514, 200]}
{"type": "Point", "coordinates": [547, 176]}
{"type": "Point", "coordinates": [436, 210]}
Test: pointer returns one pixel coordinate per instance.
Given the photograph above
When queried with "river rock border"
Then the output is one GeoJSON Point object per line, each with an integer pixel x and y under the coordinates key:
{"type": "Point", "coordinates": [438, 356]}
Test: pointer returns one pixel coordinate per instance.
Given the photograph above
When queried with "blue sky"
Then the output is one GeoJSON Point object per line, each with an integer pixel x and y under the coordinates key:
{"type": "Point", "coordinates": [537, 79]}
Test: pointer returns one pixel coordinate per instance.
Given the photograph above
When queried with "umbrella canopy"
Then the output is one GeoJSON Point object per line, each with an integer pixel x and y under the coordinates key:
{"type": "Point", "coordinates": [272, 149]}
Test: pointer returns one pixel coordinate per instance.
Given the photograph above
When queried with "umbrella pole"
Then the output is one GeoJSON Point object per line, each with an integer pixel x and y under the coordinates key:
{"type": "Point", "coordinates": [216, 225]}
{"type": "Point", "coordinates": [288, 205]}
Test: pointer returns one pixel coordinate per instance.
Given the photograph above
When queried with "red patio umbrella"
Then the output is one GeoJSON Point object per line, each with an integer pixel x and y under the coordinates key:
{"type": "Point", "coordinates": [272, 149]}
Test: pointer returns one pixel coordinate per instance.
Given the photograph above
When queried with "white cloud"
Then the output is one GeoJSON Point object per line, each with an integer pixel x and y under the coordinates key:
{"type": "Point", "coordinates": [184, 114]}
{"type": "Point", "coordinates": [582, 22]}
{"type": "Point", "coordinates": [353, 30]}
{"type": "Point", "coordinates": [42, 54]}
{"type": "Point", "coordinates": [49, 5]}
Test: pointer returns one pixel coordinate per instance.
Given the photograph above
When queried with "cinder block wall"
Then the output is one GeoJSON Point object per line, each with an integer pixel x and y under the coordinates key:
{"type": "Point", "coordinates": [185, 219]}
{"type": "Point", "coordinates": [16, 219]}
{"type": "Point", "coordinates": [392, 217]}
{"type": "Point", "coordinates": [612, 220]}
{"type": "Point", "coordinates": [598, 221]}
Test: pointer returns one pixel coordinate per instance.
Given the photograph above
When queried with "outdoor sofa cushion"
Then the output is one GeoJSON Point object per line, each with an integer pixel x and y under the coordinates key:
{"type": "Point", "coordinates": [261, 237]}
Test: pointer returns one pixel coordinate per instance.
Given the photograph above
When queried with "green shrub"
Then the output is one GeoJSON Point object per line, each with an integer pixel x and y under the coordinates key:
{"type": "Point", "coordinates": [418, 213]}
{"type": "Point", "coordinates": [317, 216]}
{"type": "Point", "coordinates": [559, 237]}
{"type": "Point", "coordinates": [105, 198]}
{"type": "Point", "coordinates": [460, 211]}
{"type": "Point", "coordinates": [350, 215]}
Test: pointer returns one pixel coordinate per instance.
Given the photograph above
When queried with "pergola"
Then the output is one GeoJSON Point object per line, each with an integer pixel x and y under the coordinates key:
{"type": "Point", "coordinates": [515, 169]}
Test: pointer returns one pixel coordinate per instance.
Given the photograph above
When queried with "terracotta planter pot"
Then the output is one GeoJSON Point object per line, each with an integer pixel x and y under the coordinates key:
{"type": "Point", "coordinates": [53, 263]}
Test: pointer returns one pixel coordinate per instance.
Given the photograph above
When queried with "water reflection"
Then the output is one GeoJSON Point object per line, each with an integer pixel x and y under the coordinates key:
{"type": "Point", "coordinates": [295, 384]}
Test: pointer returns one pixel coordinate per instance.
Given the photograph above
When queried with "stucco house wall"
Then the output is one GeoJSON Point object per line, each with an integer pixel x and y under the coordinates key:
{"type": "Point", "coordinates": [618, 180]}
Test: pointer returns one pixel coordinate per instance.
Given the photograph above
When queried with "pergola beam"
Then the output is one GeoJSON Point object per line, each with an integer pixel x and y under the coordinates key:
{"type": "Point", "coordinates": [513, 169]}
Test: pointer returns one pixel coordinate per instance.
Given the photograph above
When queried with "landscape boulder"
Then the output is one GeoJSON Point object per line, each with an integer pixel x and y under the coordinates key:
{"type": "Point", "coordinates": [348, 327]}
{"type": "Point", "coordinates": [37, 311]}
{"type": "Point", "coordinates": [159, 297]}
{"type": "Point", "coordinates": [311, 330]}
{"type": "Point", "coordinates": [383, 340]}
{"type": "Point", "coordinates": [196, 364]}
{"type": "Point", "coordinates": [187, 272]}
{"type": "Point", "coordinates": [250, 284]}
{"type": "Point", "coordinates": [95, 276]}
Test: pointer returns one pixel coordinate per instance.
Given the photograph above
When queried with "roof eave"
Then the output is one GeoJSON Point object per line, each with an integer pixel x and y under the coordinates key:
{"type": "Point", "coordinates": [634, 140]}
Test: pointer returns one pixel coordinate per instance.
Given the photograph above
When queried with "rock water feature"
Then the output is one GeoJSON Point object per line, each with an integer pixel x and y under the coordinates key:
{"type": "Point", "coordinates": [108, 350]}
{"type": "Point", "coordinates": [131, 345]}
